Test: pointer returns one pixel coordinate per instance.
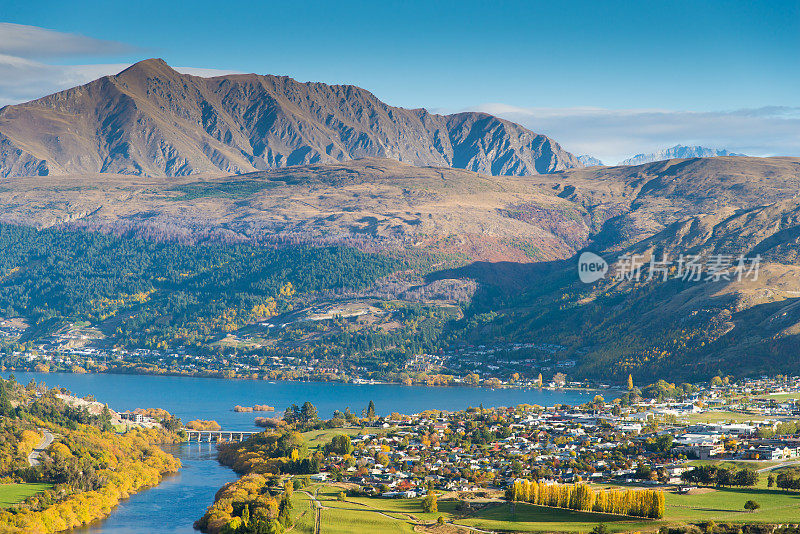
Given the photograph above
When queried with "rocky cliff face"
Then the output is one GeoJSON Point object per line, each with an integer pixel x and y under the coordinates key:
{"type": "Point", "coordinates": [151, 120]}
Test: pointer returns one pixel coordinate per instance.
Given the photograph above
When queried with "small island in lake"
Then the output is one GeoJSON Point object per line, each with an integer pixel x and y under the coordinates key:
{"type": "Point", "coordinates": [254, 408]}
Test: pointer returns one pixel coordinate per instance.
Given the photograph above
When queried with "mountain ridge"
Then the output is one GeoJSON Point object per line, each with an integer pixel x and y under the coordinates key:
{"type": "Point", "coordinates": [151, 120]}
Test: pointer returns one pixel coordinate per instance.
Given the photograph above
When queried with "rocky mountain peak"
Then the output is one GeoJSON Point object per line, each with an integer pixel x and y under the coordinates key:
{"type": "Point", "coordinates": [151, 120]}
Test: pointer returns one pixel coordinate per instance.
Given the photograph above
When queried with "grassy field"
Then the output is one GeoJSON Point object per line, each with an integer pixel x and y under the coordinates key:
{"type": "Point", "coordinates": [368, 514]}
{"type": "Point", "coordinates": [780, 397]}
{"type": "Point", "coordinates": [531, 518]}
{"type": "Point", "coordinates": [401, 509]}
{"type": "Point", "coordinates": [408, 508]}
{"type": "Point", "coordinates": [349, 520]}
{"type": "Point", "coordinates": [14, 493]}
{"type": "Point", "coordinates": [734, 464]}
{"type": "Point", "coordinates": [347, 517]}
{"type": "Point", "coordinates": [719, 416]}
{"type": "Point", "coordinates": [728, 505]}
{"type": "Point", "coordinates": [318, 438]}
{"type": "Point", "coordinates": [304, 513]}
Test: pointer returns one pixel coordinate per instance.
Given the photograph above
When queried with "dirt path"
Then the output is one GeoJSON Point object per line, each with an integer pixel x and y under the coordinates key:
{"type": "Point", "coordinates": [471, 528]}
{"type": "Point", "coordinates": [317, 511]}
{"type": "Point", "coordinates": [33, 457]}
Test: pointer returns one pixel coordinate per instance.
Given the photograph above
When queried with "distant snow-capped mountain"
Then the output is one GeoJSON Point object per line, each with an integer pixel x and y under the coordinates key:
{"type": "Point", "coordinates": [678, 151]}
{"type": "Point", "coordinates": [590, 161]}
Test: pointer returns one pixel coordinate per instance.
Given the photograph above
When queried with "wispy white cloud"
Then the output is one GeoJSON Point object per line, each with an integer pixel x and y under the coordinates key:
{"type": "Point", "coordinates": [23, 79]}
{"type": "Point", "coordinates": [26, 74]}
{"type": "Point", "coordinates": [35, 42]}
{"type": "Point", "coordinates": [613, 135]}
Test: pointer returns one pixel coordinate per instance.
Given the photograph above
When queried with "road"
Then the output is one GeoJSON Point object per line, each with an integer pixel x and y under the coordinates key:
{"type": "Point", "coordinates": [33, 457]}
{"type": "Point", "coordinates": [778, 466]}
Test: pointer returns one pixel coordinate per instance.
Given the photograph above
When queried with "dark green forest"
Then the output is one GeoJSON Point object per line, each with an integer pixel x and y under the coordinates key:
{"type": "Point", "coordinates": [163, 295]}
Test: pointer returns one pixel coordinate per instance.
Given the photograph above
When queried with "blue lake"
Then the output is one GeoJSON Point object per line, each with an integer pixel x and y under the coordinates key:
{"type": "Point", "coordinates": [211, 398]}
{"type": "Point", "coordinates": [174, 505]}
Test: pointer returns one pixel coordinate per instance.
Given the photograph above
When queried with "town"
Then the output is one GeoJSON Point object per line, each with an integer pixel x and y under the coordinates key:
{"type": "Point", "coordinates": [80, 348]}
{"type": "Point", "coordinates": [736, 441]}
{"type": "Point", "coordinates": [632, 439]}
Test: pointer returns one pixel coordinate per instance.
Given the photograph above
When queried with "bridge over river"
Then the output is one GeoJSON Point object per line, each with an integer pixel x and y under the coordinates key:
{"type": "Point", "coordinates": [219, 435]}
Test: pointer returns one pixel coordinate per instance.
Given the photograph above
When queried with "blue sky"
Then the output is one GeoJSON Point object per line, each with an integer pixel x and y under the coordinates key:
{"type": "Point", "coordinates": [588, 73]}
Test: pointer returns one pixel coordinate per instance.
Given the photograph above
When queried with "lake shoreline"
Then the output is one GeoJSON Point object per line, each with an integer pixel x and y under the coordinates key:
{"type": "Point", "coordinates": [355, 382]}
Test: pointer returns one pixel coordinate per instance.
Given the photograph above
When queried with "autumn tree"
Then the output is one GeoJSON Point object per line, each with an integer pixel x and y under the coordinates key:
{"type": "Point", "coordinates": [472, 379]}
{"type": "Point", "coordinates": [430, 504]}
{"type": "Point", "coordinates": [369, 411]}
{"type": "Point", "coordinates": [340, 444]}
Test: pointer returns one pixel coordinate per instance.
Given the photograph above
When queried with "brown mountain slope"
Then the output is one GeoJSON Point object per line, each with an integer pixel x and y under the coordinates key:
{"type": "Point", "coordinates": [676, 328]}
{"type": "Point", "coordinates": [383, 203]}
{"type": "Point", "coordinates": [151, 120]}
{"type": "Point", "coordinates": [369, 203]}
{"type": "Point", "coordinates": [640, 201]}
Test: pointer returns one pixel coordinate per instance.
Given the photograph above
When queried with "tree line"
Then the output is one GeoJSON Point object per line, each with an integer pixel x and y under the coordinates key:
{"type": "Point", "coordinates": [720, 476]}
{"type": "Point", "coordinates": [637, 503]}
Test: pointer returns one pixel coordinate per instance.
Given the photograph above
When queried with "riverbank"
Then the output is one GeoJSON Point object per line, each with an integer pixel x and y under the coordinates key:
{"type": "Point", "coordinates": [88, 467]}
{"type": "Point", "coordinates": [137, 470]}
{"type": "Point", "coordinates": [172, 506]}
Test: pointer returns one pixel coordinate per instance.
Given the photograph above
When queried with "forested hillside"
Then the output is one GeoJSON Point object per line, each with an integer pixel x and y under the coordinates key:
{"type": "Point", "coordinates": [143, 294]}
{"type": "Point", "coordinates": [668, 325]}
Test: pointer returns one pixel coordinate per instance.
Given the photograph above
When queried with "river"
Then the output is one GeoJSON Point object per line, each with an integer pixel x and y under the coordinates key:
{"type": "Point", "coordinates": [179, 500]}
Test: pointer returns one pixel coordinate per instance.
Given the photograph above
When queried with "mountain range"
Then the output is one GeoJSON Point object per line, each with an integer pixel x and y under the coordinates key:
{"type": "Point", "coordinates": [160, 156]}
{"type": "Point", "coordinates": [678, 151]}
{"type": "Point", "coordinates": [151, 120]}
